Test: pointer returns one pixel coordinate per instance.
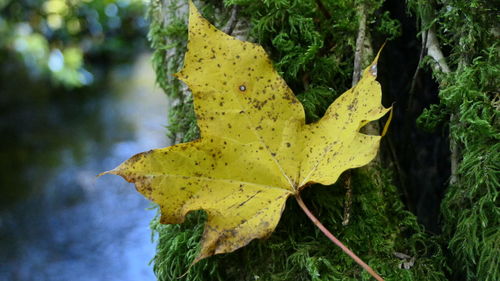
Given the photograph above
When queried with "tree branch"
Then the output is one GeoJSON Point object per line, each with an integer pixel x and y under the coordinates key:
{"type": "Point", "coordinates": [348, 198]}
{"type": "Point", "coordinates": [323, 9]}
{"type": "Point", "coordinates": [233, 20]}
{"type": "Point", "coordinates": [360, 40]}
{"type": "Point", "coordinates": [417, 71]}
{"type": "Point", "coordinates": [434, 51]}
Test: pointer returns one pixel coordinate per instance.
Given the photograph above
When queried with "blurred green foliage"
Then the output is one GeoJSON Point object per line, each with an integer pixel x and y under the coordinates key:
{"type": "Point", "coordinates": [63, 39]}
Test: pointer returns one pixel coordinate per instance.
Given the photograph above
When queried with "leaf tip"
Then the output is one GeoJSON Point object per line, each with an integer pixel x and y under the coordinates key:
{"type": "Point", "coordinates": [180, 75]}
{"type": "Point", "coordinates": [193, 12]}
{"type": "Point", "coordinates": [372, 68]}
{"type": "Point", "coordinates": [378, 53]}
{"type": "Point", "coordinates": [110, 172]}
{"type": "Point", "coordinates": [388, 122]}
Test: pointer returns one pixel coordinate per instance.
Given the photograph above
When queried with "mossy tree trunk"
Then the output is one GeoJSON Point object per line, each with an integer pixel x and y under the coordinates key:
{"type": "Point", "coordinates": [462, 46]}
{"type": "Point", "coordinates": [319, 47]}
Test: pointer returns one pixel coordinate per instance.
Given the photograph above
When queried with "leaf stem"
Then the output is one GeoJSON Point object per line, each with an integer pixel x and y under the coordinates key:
{"type": "Point", "coordinates": [335, 240]}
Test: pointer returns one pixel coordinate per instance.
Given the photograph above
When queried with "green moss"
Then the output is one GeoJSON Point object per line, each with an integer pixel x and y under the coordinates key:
{"type": "Point", "coordinates": [470, 209]}
{"type": "Point", "coordinates": [469, 107]}
{"type": "Point", "coordinates": [297, 250]}
{"type": "Point", "coordinates": [177, 248]}
{"type": "Point", "coordinates": [164, 38]}
{"type": "Point", "coordinates": [314, 52]}
{"type": "Point", "coordinates": [169, 39]}
{"type": "Point", "coordinates": [391, 28]}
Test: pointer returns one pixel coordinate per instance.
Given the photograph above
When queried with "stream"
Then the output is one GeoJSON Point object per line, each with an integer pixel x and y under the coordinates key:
{"type": "Point", "coordinates": [66, 224]}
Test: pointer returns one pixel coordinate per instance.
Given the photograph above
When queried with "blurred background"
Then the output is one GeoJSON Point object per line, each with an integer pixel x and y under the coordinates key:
{"type": "Point", "coordinates": [77, 97]}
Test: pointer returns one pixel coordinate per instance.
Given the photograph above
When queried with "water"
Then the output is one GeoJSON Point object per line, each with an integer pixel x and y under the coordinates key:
{"type": "Point", "coordinates": [67, 224]}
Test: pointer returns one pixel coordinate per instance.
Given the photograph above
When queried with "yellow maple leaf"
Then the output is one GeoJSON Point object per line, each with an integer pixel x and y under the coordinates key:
{"type": "Point", "coordinates": [255, 148]}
